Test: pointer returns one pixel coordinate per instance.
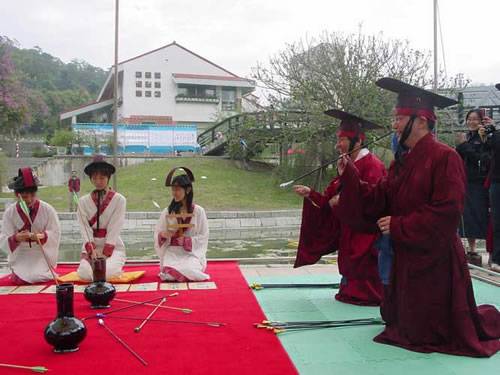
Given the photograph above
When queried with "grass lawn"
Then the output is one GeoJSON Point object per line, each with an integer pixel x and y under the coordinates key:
{"type": "Point", "coordinates": [225, 188]}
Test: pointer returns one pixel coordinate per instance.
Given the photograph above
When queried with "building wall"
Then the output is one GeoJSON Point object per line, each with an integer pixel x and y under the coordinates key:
{"type": "Point", "coordinates": [172, 59]}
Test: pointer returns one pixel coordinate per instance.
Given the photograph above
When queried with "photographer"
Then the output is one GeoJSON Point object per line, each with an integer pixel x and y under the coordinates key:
{"type": "Point", "coordinates": [476, 154]}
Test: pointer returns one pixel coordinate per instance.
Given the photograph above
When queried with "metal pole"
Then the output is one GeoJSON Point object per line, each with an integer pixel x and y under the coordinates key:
{"type": "Point", "coordinates": [435, 83]}
{"type": "Point", "coordinates": [115, 99]}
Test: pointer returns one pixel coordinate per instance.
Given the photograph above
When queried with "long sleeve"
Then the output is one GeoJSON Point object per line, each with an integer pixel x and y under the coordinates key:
{"type": "Point", "coordinates": [198, 241]}
{"type": "Point", "coordinates": [161, 243]}
{"type": "Point", "coordinates": [322, 199]}
{"type": "Point", "coordinates": [360, 201]}
{"type": "Point", "coordinates": [116, 224]}
{"type": "Point", "coordinates": [468, 152]}
{"type": "Point", "coordinates": [52, 236]}
{"type": "Point", "coordinates": [83, 221]}
{"type": "Point", "coordinates": [430, 223]}
{"type": "Point", "coordinates": [7, 240]}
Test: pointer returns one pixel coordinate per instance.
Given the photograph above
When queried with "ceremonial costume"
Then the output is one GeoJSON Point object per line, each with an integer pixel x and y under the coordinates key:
{"type": "Point", "coordinates": [101, 215]}
{"type": "Point", "coordinates": [429, 303]}
{"type": "Point", "coordinates": [183, 255]}
{"type": "Point", "coordinates": [322, 230]}
{"type": "Point", "coordinates": [25, 258]}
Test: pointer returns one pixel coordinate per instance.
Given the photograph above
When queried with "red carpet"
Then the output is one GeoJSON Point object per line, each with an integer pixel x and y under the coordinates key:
{"type": "Point", "coordinates": [177, 349]}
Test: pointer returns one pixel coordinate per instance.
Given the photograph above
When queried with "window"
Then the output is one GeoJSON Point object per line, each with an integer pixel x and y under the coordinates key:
{"type": "Point", "coordinates": [193, 91]}
{"type": "Point", "coordinates": [148, 84]}
{"type": "Point", "coordinates": [138, 83]}
{"type": "Point", "coordinates": [157, 85]}
{"type": "Point", "coordinates": [147, 94]}
{"type": "Point", "coordinates": [138, 74]}
{"type": "Point", "coordinates": [157, 94]}
{"type": "Point", "coordinates": [228, 95]}
{"type": "Point", "coordinates": [157, 75]}
{"type": "Point", "coordinates": [138, 93]}
{"type": "Point", "coordinates": [228, 99]}
{"type": "Point", "coordinates": [210, 91]}
{"type": "Point", "coordinates": [147, 74]}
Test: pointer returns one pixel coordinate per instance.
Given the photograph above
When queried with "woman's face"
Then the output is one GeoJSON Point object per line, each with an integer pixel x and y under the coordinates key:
{"type": "Point", "coordinates": [473, 121]}
{"type": "Point", "coordinates": [29, 198]}
{"type": "Point", "coordinates": [178, 193]}
{"type": "Point", "coordinates": [99, 180]}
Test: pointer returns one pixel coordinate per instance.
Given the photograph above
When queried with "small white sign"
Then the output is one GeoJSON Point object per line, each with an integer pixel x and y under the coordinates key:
{"type": "Point", "coordinates": [121, 287]}
{"type": "Point", "coordinates": [7, 289]}
{"type": "Point", "coordinates": [173, 286]}
{"type": "Point", "coordinates": [144, 287]}
{"type": "Point", "coordinates": [50, 290]}
{"type": "Point", "coordinates": [202, 285]}
{"type": "Point", "coordinates": [28, 289]}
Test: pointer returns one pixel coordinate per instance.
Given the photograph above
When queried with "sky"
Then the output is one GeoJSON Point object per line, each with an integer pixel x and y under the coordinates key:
{"type": "Point", "coordinates": [237, 34]}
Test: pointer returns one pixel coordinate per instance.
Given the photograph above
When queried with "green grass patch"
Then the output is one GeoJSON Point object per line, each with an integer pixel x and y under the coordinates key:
{"type": "Point", "coordinates": [226, 187]}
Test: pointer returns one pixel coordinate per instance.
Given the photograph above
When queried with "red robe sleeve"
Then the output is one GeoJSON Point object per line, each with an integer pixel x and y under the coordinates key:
{"type": "Point", "coordinates": [361, 202]}
{"type": "Point", "coordinates": [320, 228]}
{"type": "Point", "coordinates": [427, 225]}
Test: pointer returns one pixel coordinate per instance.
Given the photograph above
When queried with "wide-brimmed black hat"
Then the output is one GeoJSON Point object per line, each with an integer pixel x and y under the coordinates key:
{"type": "Point", "coordinates": [25, 180]}
{"type": "Point", "coordinates": [351, 125]}
{"type": "Point", "coordinates": [99, 164]}
{"type": "Point", "coordinates": [170, 175]}
{"type": "Point", "coordinates": [413, 100]}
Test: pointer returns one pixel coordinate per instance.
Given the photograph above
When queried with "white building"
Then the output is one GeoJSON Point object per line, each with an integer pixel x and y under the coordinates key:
{"type": "Point", "coordinates": [169, 85]}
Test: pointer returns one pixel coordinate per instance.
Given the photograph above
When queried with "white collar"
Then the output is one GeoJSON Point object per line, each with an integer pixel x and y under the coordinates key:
{"type": "Point", "coordinates": [362, 153]}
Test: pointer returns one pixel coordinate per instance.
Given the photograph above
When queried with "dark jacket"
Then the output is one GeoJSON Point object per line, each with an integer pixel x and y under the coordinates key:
{"type": "Point", "coordinates": [494, 145]}
{"type": "Point", "coordinates": [476, 156]}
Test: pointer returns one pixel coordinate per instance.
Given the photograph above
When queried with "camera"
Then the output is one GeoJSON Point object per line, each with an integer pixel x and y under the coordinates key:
{"type": "Point", "coordinates": [488, 129]}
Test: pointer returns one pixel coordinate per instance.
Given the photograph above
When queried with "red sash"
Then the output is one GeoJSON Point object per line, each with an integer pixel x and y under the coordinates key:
{"type": "Point", "coordinates": [24, 217]}
{"type": "Point", "coordinates": [104, 204]}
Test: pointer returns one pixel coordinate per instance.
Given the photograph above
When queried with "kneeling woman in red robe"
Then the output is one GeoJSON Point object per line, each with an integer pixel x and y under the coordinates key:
{"type": "Point", "coordinates": [322, 232]}
{"type": "Point", "coordinates": [429, 303]}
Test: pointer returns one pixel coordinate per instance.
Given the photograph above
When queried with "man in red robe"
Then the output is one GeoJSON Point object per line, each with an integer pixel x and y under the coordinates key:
{"type": "Point", "coordinates": [73, 188]}
{"type": "Point", "coordinates": [429, 303]}
{"type": "Point", "coordinates": [322, 233]}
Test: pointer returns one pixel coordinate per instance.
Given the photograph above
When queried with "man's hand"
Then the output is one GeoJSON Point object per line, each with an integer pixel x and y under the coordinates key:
{"type": "Point", "coordinates": [302, 190]}
{"type": "Point", "coordinates": [384, 224]}
{"type": "Point", "coordinates": [334, 201]}
{"type": "Point", "coordinates": [342, 163]}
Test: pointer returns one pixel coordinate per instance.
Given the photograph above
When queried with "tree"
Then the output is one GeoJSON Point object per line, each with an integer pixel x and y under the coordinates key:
{"type": "Point", "coordinates": [38, 86]}
{"type": "Point", "coordinates": [62, 138]}
{"type": "Point", "coordinates": [13, 104]}
{"type": "Point", "coordinates": [338, 71]}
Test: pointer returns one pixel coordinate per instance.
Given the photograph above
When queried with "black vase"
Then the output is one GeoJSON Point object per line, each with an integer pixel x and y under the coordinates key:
{"type": "Point", "coordinates": [99, 293]}
{"type": "Point", "coordinates": [65, 332]}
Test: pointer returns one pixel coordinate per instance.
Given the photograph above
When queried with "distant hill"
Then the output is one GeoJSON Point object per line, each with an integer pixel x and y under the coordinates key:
{"type": "Point", "coordinates": [48, 85]}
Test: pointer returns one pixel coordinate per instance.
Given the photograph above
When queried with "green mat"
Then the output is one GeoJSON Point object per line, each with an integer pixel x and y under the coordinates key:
{"type": "Point", "coordinates": [350, 350]}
